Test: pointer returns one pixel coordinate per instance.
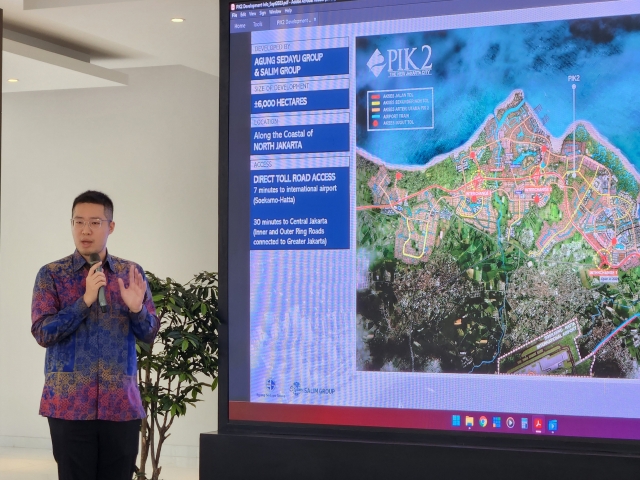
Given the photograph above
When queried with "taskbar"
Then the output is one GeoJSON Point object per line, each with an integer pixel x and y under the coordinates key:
{"type": "Point", "coordinates": [445, 420]}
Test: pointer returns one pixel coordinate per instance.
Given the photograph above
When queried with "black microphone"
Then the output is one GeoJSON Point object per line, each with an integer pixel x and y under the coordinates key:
{"type": "Point", "coordinates": [102, 300]}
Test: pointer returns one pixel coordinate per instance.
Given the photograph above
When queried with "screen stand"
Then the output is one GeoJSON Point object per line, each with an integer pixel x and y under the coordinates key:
{"type": "Point", "coordinates": [282, 457]}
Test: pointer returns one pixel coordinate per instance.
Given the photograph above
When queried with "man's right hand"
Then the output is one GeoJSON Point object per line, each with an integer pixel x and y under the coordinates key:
{"type": "Point", "coordinates": [95, 280]}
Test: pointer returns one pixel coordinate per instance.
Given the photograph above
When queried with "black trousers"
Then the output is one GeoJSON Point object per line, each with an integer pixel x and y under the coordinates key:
{"type": "Point", "coordinates": [94, 449]}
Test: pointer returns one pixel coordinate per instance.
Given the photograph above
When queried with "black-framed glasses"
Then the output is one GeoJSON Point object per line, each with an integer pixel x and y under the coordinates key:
{"type": "Point", "coordinates": [92, 223]}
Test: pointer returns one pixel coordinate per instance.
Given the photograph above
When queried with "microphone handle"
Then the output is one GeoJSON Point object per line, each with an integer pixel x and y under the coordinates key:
{"type": "Point", "coordinates": [102, 299]}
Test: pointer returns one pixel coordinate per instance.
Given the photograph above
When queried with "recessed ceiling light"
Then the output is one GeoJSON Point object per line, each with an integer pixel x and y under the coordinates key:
{"type": "Point", "coordinates": [177, 20]}
{"type": "Point", "coordinates": [13, 80]}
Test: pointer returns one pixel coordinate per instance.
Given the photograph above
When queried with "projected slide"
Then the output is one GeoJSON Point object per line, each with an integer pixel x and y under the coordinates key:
{"type": "Point", "coordinates": [497, 200]}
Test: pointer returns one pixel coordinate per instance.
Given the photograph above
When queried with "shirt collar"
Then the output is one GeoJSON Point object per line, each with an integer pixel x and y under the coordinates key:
{"type": "Point", "coordinates": [79, 261]}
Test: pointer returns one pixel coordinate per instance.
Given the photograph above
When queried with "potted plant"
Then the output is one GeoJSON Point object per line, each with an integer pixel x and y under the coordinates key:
{"type": "Point", "coordinates": [181, 362]}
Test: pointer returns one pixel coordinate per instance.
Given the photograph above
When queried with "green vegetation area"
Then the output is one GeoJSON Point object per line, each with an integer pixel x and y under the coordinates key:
{"type": "Point", "coordinates": [500, 203]}
{"type": "Point", "coordinates": [481, 140]}
{"type": "Point", "coordinates": [486, 156]}
{"type": "Point", "coordinates": [631, 278]}
{"type": "Point", "coordinates": [377, 233]}
{"type": "Point", "coordinates": [467, 245]}
{"type": "Point", "coordinates": [555, 215]}
{"type": "Point", "coordinates": [557, 195]}
{"type": "Point", "coordinates": [364, 171]}
{"type": "Point", "coordinates": [471, 171]}
{"type": "Point", "coordinates": [587, 176]}
{"type": "Point", "coordinates": [568, 341]}
{"type": "Point", "coordinates": [629, 343]}
{"type": "Point", "coordinates": [581, 134]}
{"type": "Point", "coordinates": [551, 211]}
{"type": "Point", "coordinates": [625, 294]}
{"type": "Point", "coordinates": [411, 181]}
{"type": "Point", "coordinates": [584, 369]}
{"type": "Point", "coordinates": [414, 203]}
{"type": "Point", "coordinates": [583, 254]}
{"type": "Point", "coordinates": [531, 221]}
{"type": "Point", "coordinates": [509, 362]}
{"type": "Point", "coordinates": [444, 174]}
{"type": "Point", "coordinates": [476, 250]}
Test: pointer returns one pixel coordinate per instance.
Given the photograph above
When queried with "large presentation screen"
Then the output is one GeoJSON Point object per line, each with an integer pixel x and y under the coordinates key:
{"type": "Point", "coordinates": [433, 217]}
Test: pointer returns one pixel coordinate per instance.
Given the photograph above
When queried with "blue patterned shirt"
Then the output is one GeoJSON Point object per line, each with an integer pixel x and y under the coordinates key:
{"type": "Point", "coordinates": [91, 363]}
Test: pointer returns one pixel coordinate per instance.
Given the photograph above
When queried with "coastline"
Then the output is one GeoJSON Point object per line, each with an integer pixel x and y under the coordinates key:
{"type": "Point", "coordinates": [600, 138]}
{"type": "Point", "coordinates": [556, 142]}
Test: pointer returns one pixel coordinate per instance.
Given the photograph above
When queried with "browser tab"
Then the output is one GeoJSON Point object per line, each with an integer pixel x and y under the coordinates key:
{"type": "Point", "coordinates": [294, 21]}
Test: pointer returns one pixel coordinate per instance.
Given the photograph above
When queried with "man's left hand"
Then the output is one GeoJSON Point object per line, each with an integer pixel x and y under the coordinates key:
{"type": "Point", "coordinates": [134, 294]}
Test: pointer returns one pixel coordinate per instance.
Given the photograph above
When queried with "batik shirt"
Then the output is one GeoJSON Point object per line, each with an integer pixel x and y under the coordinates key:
{"type": "Point", "coordinates": [90, 367]}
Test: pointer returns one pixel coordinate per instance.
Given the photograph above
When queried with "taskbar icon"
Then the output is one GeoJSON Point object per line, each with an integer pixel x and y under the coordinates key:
{"type": "Point", "coordinates": [535, 424]}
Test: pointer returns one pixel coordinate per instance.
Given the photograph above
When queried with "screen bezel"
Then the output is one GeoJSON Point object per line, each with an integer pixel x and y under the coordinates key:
{"type": "Point", "coordinates": [502, 441]}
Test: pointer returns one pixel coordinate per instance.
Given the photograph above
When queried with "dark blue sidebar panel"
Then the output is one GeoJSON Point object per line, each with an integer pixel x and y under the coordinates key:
{"type": "Point", "coordinates": [305, 63]}
{"type": "Point", "coordinates": [301, 209]}
{"type": "Point", "coordinates": [331, 137]}
{"type": "Point", "coordinates": [300, 102]}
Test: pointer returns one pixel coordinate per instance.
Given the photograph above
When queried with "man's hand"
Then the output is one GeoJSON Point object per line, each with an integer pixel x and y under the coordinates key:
{"type": "Point", "coordinates": [134, 294]}
{"type": "Point", "coordinates": [95, 280]}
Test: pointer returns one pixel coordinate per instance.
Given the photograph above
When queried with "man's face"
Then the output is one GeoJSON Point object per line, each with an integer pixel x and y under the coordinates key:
{"type": "Point", "coordinates": [89, 239]}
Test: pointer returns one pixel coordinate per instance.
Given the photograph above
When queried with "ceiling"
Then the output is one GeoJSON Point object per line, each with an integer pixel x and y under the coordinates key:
{"type": "Point", "coordinates": [48, 43]}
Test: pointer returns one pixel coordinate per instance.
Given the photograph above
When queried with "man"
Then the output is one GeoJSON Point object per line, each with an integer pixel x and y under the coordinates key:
{"type": "Point", "coordinates": [91, 395]}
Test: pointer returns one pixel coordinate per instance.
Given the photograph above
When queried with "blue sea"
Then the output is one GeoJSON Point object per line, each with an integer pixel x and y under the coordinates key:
{"type": "Point", "coordinates": [476, 69]}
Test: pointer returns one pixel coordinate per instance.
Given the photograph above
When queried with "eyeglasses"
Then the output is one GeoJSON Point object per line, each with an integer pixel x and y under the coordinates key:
{"type": "Point", "coordinates": [93, 223]}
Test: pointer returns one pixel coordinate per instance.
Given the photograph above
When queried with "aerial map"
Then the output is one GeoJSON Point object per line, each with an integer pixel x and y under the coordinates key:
{"type": "Point", "coordinates": [497, 191]}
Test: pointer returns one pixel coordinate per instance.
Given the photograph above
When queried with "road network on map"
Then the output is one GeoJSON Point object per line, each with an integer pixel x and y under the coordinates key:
{"type": "Point", "coordinates": [517, 253]}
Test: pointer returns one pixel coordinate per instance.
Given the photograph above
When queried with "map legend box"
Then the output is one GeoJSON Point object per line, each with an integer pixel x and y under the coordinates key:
{"type": "Point", "coordinates": [404, 109]}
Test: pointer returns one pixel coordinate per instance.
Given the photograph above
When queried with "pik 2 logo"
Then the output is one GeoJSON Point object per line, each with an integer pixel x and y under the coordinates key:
{"type": "Point", "coordinates": [401, 63]}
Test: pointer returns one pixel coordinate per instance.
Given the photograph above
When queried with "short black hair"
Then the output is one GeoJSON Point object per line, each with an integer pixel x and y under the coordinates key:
{"type": "Point", "coordinates": [97, 198]}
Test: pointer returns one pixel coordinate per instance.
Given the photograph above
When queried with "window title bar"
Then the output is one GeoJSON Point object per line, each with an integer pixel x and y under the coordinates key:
{"type": "Point", "coordinates": [280, 3]}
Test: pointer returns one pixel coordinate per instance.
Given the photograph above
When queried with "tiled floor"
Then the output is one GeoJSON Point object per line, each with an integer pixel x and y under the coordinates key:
{"type": "Point", "coordinates": [34, 464]}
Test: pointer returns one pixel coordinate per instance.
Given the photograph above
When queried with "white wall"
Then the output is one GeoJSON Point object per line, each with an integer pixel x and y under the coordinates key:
{"type": "Point", "coordinates": [151, 146]}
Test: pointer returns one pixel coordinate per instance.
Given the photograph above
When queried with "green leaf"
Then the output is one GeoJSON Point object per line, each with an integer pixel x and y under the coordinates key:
{"type": "Point", "coordinates": [188, 321]}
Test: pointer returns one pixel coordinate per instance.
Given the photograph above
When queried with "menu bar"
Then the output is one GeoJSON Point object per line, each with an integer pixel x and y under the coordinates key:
{"type": "Point", "coordinates": [357, 11]}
